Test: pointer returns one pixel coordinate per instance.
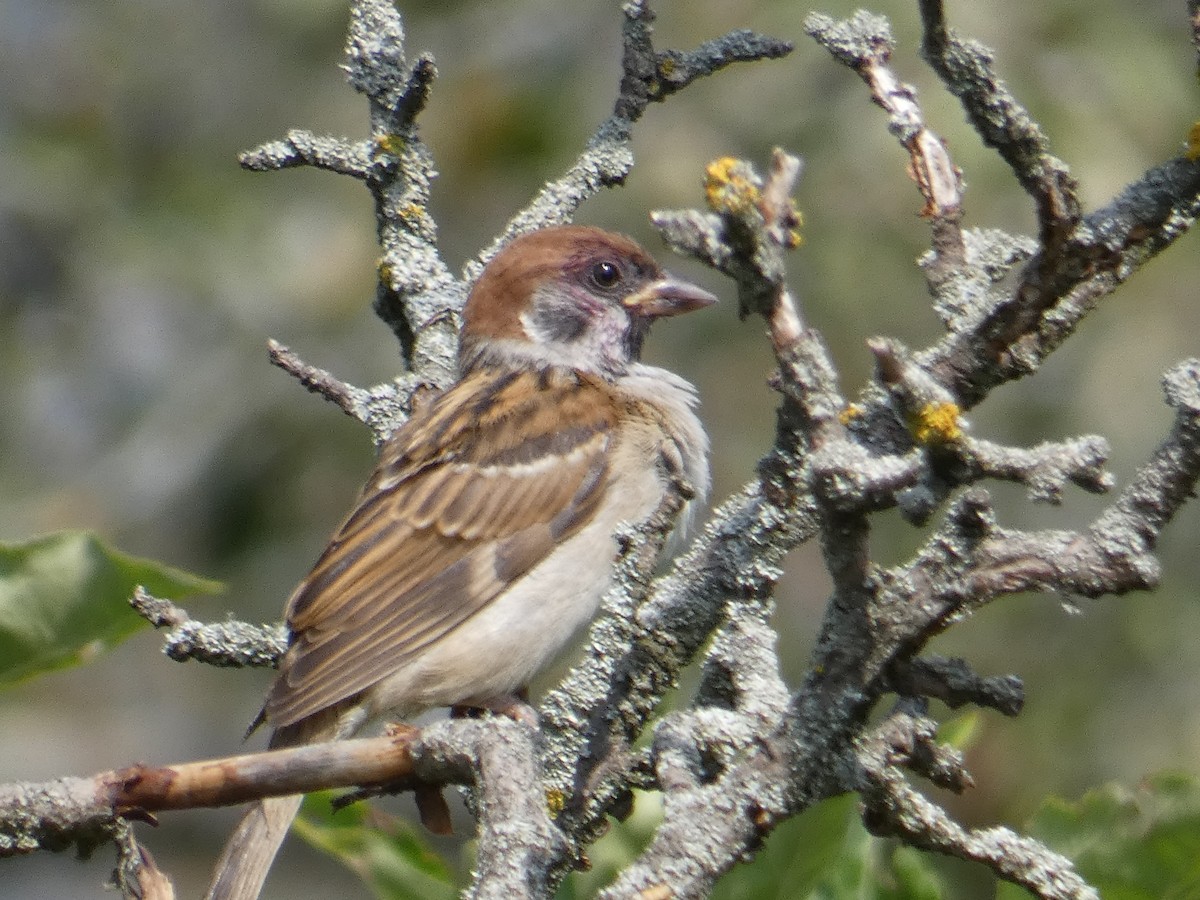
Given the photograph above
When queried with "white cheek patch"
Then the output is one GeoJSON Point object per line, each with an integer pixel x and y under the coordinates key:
{"type": "Point", "coordinates": [581, 332]}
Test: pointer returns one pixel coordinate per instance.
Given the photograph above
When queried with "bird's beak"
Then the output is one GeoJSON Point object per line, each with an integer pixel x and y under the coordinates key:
{"type": "Point", "coordinates": [667, 296]}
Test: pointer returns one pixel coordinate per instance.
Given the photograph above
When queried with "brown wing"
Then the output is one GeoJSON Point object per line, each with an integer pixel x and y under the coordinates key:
{"type": "Point", "coordinates": [466, 498]}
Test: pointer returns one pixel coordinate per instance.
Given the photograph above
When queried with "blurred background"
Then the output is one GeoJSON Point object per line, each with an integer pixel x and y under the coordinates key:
{"type": "Point", "coordinates": [142, 271]}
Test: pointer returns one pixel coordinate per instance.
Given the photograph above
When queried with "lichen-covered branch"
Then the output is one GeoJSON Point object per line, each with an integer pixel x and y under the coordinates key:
{"type": "Point", "coordinates": [1194, 17]}
{"type": "Point", "coordinates": [1081, 258]}
{"type": "Point", "coordinates": [954, 457]}
{"type": "Point", "coordinates": [1003, 123]}
{"type": "Point", "coordinates": [1009, 334]}
{"type": "Point", "coordinates": [647, 76]}
{"type": "Point", "coordinates": [865, 44]}
{"type": "Point", "coordinates": [226, 644]}
{"type": "Point", "coordinates": [498, 756]}
{"type": "Point", "coordinates": [905, 444]}
{"type": "Point", "coordinates": [954, 683]}
{"type": "Point", "coordinates": [970, 560]}
{"type": "Point", "coordinates": [893, 809]}
{"type": "Point", "coordinates": [750, 751]}
{"type": "Point", "coordinates": [517, 840]}
{"type": "Point", "coordinates": [651, 76]}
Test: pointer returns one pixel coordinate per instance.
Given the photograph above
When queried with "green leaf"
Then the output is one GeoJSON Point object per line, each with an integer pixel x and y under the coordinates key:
{"type": "Point", "coordinates": [65, 597]}
{"type": "Point", "coordinates": [388, 853]}
{"type": "Point", "coordinates": [1138, 843]}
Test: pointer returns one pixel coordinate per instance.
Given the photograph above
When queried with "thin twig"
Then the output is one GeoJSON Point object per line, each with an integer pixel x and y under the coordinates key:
{"type": "Point", "coordinates": [316, 380]}
{"type": "Point", "coordinates": [865, 44]}
{"type": "Point", "coordinates": [892, 808]}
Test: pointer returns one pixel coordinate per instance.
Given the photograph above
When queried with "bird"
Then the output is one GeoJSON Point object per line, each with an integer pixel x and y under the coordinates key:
{"type": "Point", "coordinates": [483, 540]}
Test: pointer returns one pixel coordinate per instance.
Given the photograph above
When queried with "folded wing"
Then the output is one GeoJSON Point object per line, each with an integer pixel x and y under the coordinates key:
{"type": "Point", "coordinates": [467, 497]}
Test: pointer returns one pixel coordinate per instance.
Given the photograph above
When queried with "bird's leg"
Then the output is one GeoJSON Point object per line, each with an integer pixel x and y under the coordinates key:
{"type": "Point", "coordinates": [431, 805]}
{"type": "Point", "coordinates": [515, 706]}
{"type": "Point", "coordinates": [433, 810]}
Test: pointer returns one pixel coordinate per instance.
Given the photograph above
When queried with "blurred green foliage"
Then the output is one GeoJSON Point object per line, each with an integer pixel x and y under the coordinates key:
{"type": "Point", "coordinates": [388, 853]}
{"type": "Point", "coordinates": [65, 597]}
{"type": "Point", "coordinates": [1130, 842]}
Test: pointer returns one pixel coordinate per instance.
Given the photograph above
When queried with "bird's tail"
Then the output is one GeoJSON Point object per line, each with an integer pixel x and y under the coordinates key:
{"type": "Point", "coordinates": [250, 850]}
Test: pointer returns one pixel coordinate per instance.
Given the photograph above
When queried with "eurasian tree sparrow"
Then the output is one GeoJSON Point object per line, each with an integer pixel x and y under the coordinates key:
{"type": "Point", "coordinates": [483, 540]}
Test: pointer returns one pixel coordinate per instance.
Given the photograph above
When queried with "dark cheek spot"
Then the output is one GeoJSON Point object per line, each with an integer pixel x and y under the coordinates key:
{"type": "Point", "coordinates": [560, 322]}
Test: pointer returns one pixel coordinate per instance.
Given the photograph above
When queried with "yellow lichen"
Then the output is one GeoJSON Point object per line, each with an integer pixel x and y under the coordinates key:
{"type": "Point", "coordinates": [730, 186]}
{"type": "Point", "coordinates": [850, 413]}
{"type": "Point", "coordinates": [1193, 142]}
{"type": "Point", "coordinates": [555, 801]}
{"type": "Point", "coordinates": [392, 144]}
{"type": "Point", "coordinates": [936, 423]}
{"type": "Point", "coordinates": [666, 67]}
{"type": "Point", "coordinates": [384, 269]}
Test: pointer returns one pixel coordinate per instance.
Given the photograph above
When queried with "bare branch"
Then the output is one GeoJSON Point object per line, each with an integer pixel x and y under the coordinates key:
{"type": "Point", "coordinates": [53, 815]}
{"type": "Point", "coordinates": [416, 91]}
{"type": "Point", "coordinates": [651, 76]}
{"type": "Point", "coordinates": [648, 76]}
{"type": "Point", "coordinates": [224, 644]}
{"type": "Point", "coordinates": [497, 754]}
{"type": "Point", "coordinates": [865, 44]}
{"type": "Point", "coordinates": [892, 808]}
{"type": "Point", "coordinates": [252, 776]}
{"type": "Point", "coordinates": [316, 380]}
{"type": "Point", "coordinates": [954, 683]}
{"type": "Point", "coordinates": [303, 148]}
{"type": "Point", "coordinates": [382, 408]}
{"type": "Point", "coordinates": [1002, 123]}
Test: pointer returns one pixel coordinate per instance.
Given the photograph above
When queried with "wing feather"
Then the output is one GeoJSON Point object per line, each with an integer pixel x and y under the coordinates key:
{"type": "Point", "coordinates": [467, 497]}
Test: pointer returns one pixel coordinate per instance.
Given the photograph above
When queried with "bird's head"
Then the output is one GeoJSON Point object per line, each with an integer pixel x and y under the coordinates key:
{"type": "Point", "coordinates": [572, 296]}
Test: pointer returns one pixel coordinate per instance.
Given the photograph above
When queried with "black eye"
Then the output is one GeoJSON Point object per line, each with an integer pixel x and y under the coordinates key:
{"type": "Point", "coordinates": [605, 273]}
